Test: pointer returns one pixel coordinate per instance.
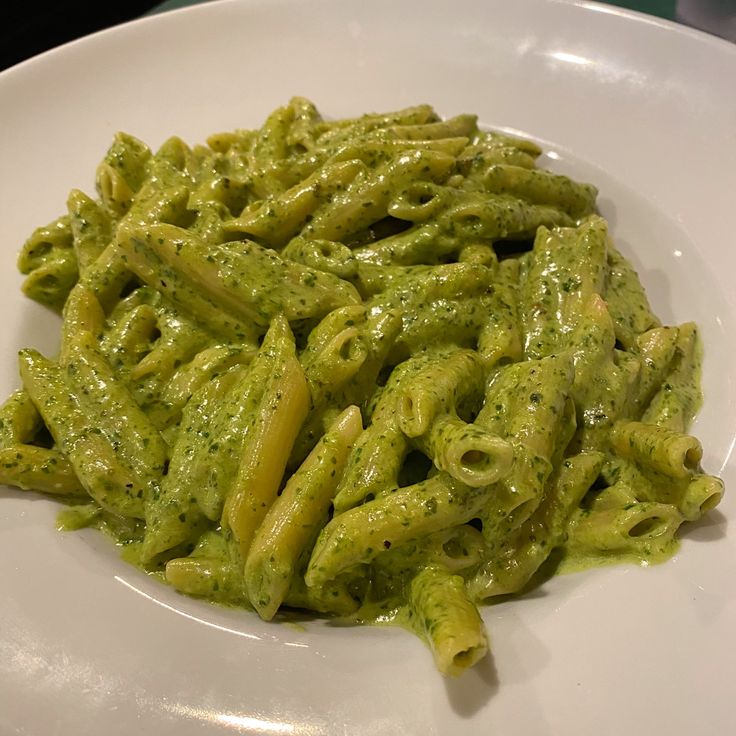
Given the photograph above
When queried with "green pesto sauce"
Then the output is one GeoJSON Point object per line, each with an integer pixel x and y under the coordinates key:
{"type": "Point", "coordinates": [573, 561]}
{"type": "Point", "coordinates": [219, 242]}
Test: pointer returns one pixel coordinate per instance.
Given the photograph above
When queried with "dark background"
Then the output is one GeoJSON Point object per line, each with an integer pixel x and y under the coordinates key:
{"type": "Point", "coordinates": [27, 29]}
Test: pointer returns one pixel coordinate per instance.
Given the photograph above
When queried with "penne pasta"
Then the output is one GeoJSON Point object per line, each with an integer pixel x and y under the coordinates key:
{"type": "Point", "coordinates": [382, 368]}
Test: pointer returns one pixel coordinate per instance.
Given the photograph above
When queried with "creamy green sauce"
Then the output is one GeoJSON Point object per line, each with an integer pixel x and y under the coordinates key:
{"type": "Point", "coordinates": [382, 248]}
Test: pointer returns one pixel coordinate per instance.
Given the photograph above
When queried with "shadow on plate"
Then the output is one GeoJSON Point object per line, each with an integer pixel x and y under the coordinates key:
{"type": "Point", "coordinates": [468, 693]}
{"type": "Point", "coordinates": [708, 528]}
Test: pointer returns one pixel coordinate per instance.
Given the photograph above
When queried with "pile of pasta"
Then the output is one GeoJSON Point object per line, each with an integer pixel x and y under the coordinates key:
{"type": "Point", "coordinates": [384, 369]}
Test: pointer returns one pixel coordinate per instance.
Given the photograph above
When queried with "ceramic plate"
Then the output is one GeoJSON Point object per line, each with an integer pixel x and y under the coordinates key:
{"type": "Point", "coordinates": [642, 108]}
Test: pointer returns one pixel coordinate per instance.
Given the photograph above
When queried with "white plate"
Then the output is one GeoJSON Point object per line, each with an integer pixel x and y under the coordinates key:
{"type": "Point", "coordinates": [642, 108]}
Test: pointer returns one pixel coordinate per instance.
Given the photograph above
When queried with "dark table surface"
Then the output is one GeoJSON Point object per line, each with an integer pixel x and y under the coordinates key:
{"type": "Point", "coordinates": [29, 29]}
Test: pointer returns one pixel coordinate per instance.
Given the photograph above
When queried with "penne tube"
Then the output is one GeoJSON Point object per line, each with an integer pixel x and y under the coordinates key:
{"type": "Point", "coordinates": [335, 366]}
{"type": "Point", "coordinates": [702, 494]}
{"type": "Point", "coordinates": [246, 281]}
{"type": "Point", "coordinates": [323, 255]}
{"type": "Point", "coordinates": [626, 299]}
{"type": "Point", "coordinates": [497, 217]}
{"type": "Point", "coordinates": [518, 556]}
{"type": "Point", "coordinates": [460, 125]}
{"type": "Point", "coordinates": [206, 577]}
{"type": "Point", "coordinates": [267, 445]}
{"type": "Point", "coordinates": [212, 571]}
{"type": "Point", "coordinates": [101, 472]}
{"type": "Point", "coordinates": [82, 313]}
{"type": "Point", "coordinates": [296, 516]}
{"type": "Point", "coordinates": [465, 451]}
{"type": "Point", "coordinates": [203, 367]}
{"type": "Point", "coordinates": [657, 348]}
{"type": "Point", "coordinates": [542, 187]}
{"type": "Point", "coordinates": [375, 461]}
{"type": "Point", "coordinates": [672, 453]}
{"type": "Point", "coordinates": [277, 220]}
{"type": "Point", "coordinates": [107, 276]}
{"type": "Point", "coordinates": [640, 531]}
{"type": "Point", "coordinates": [367, 199]}
{"type": "Point", "coordinates": [50, 282]}
{"type": "Point", "coordinates": [567, 266]}
{"type": "Point", "coordinates": [121, 173]}
{"type": "Point", "coordinates": [446, 384]}
{"type": "Point", "coordinates": [20, 420]}
{"type": "Point", "coordinates": [38, 469]}
{"type": "Point", "coordinates": [330, 131]}
{"type": "Point", "coordinates": [91, 228]}
{"type": "Point", "coordinates": [500, 338]}
{"type": "Point", "coordinates": [679, 397]}
{"type": "Point", "coordinates": [448, 620]}
{"type": "Point", "coordinates": [362, 533]}
{"type": "Point", "coordinates": [600, 388]}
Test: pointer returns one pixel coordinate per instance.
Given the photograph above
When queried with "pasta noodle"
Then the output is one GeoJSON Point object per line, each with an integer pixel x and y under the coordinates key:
{"type": "Point", "coordinates": [381, 368]}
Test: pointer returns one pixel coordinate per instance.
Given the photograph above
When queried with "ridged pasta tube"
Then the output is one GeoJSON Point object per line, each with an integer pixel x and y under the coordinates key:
{"type": "Point", "coordinates": [568, 265]}
{"type": "Point", "coordinates": [294, 519]}
{"type": "Point", "coordinates": [497, 217]}
{"type": "Point", "coordinates": [448, 620]}
{"type": "Point", "coordinates": [675, 454]}
{"type": "Point", "coordinates": [324, 255]}
{"type": "Point", "coordinates": [376, 459]}
{"type": "Point", "coordinates": [338, 362]}
{"type": "Point", "coordinates": [203, 367]}
{"type": "Point", "coordinates": [108, 402]}
{"type": "Point", "coordinates": [362, 533]}
{"type": "Point", "coordinates": [209, 445]}
{"type": "Point", "coordinates": [91, 228]}
{"type": "Point", "coordinates": [680, 396]}
{"type": "Point", "coordinates": [464, 125]}
{"type": "Point", "coordinates": [457, 549]}
{"type": "Point", "coordinates": [500, 339]}
{"type": "Point", "coordinates": [703, 493]}
{"type": "Point", "coordinates": [41, 469]}
{"type": "Point", "coordinates": [420, 244]}
{"type": "Point", "coordinates": [267, 443]}
{"type": "Point", "coordinates": [638, 531]}
{"type": "Point", "coordinates": [82, 312]}
{"type": "Point", "coordinates": [121, 173]}
{"type": "Point", "coordinates": [444, 300]}
{"type": "Point", "coordinates": [212, 571]}
{"type": "Point", "coordinates": [377, 333]}
{"type": "Point", "coordinates": [527, 404]}
{"type": "Point", "coordinates": [656, 348]}
{"type": "Point", "coordinates": [332, 131]}
{"type": "Point", "coordinates": [115, 473]}
{"type": "Point", "coordinates": [107, 276]}
{"type": "Point", "coordinates": [600, 388]}
{"type": "Point", "coordinates": [521, 554]}
{"type": "Point", "coordinates": [24, 464]}
{"type": "Point", "coordinates": [692, 493]}
{"type": "Point", "coordinates": [542, 187]}
{"type": "Point", "coordinates": [242, 279]}
{"type": "Point", "coordinates": [49, 263]}
{"type": "Point", "coordinates": [627, 300]}
{"type": "Point", "coordinates": [444, 385]}
{"type": "Point", "coordinates": [276, 221]}
{"type": "Point", "coordinates": [367, 199]}
{"type": "Point", "coordinates": [20, 420]}
{"type": "Point", "coordinates": [466, 451]}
